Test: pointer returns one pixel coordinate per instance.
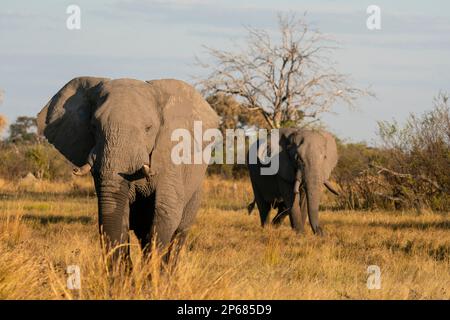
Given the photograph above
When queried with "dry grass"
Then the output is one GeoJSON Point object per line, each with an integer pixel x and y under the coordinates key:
{"type": "Point", "coordinates": [45, 227]}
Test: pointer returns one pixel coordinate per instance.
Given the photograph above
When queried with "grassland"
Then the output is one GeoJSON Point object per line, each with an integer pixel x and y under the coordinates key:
{"type": "Point", "coordinates": [44, 227]}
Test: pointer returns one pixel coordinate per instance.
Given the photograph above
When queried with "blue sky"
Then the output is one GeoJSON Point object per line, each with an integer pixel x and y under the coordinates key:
{"type": "Point", "coordinates": [406, 63]}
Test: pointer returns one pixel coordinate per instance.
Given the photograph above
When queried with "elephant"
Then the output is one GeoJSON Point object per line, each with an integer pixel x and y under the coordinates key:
{"type": "Point", "coordinates": [306, 160]}
{"type": "Point", "coordinates": [119, 130]}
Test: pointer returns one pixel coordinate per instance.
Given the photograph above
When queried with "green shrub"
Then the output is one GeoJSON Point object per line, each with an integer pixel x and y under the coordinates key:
{"type": "Point", "coordinates": [40, 159]}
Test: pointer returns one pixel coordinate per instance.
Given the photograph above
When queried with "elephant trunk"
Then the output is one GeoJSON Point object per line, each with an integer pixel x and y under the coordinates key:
{"type": "Point", "coordinates": [313, 188]}
{"type": "Point", "coordinates": [113, 209]}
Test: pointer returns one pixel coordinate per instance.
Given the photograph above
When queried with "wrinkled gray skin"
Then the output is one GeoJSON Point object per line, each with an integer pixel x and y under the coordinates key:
{"type": "Point", "coordinates": [307, 158]}
{"type": "Point", "coordinates": [119, 130]}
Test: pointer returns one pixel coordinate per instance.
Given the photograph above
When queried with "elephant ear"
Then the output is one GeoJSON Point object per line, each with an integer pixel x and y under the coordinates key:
{"type": "Point", "coordinates": [288, 150]}
{"type": "Point", "coordinates": [331, 154]}
{"type": "Point", "coordinates": [179, 105]}
{"type": "Point", "coordinates": [65, 119]}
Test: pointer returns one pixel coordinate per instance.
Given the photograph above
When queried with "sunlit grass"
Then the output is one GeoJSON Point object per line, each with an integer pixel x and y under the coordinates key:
{"type": "Point", "coordinates": [46, 227]}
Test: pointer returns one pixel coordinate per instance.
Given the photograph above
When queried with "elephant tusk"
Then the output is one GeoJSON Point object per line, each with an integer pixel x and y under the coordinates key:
{"type": "Point", "coordinates": [148, 172]}
{"type": "Point", "coordinates": [83, 170]}
{"type": "Point", "coordinates": [330, 187]}
{"type": "Point", "coordinates": [297, 186]}
{"type": "Point", "coordinates": [298, 181]}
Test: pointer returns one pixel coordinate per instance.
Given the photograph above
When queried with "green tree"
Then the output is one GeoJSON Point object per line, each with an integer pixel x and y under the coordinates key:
{"type": "Point", "coordinates": [233, 114]}
{"type": "Point", "coordinates": [24, 130]}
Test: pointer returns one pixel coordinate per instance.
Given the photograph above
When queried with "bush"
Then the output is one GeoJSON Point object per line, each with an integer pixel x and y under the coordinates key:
{"type": "Point", "coordinates": [411, 168]}
{"type": "Point", "coordinates": [419, 157]}
{"type": "Point", "coordinates": [357, 185]}
{"type": "Point", "coordinates": [42, 160]}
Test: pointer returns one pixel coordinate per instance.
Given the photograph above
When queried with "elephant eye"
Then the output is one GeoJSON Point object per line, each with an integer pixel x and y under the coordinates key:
{"type": "Point", "coordinates": [147, 128]}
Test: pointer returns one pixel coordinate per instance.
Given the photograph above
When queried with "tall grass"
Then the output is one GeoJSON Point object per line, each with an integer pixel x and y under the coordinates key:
{"type": "Point", "coordinates": [48, 226]}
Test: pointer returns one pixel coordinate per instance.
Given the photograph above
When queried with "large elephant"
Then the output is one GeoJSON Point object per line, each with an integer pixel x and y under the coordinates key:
{"type": "Point", "coordinates": [120, 131]}
{"type": "Point", "coordinates": [306, 159]}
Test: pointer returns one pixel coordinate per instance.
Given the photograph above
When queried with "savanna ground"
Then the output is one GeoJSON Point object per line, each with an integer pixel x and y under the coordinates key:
{"type": "Point", "coordinates": [44, 227]}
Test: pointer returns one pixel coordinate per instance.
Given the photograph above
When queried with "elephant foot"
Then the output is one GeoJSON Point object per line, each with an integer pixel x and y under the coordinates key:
{"type": "Point", "coordinates": [276, 225]}
{"type": "Point", "coordinates": [299, 230]}
{"type": "Point", "coordinates": [318, 231]}
{"type": "Point", "coordinates": [277, 221]}
{"type": "Point", "coordinates": [298, 227]}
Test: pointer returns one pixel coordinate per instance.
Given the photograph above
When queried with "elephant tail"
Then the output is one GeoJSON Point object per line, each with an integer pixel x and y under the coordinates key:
{"type": "Point", "coordinates": [251, 206]}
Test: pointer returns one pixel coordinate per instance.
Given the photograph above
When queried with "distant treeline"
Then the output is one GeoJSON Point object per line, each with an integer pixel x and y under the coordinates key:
{"type": "Point", "coordinates": [409, 169]}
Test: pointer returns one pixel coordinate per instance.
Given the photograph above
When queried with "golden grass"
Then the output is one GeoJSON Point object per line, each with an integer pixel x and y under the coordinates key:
{"type": "Point", "coordinates": [46, 227]}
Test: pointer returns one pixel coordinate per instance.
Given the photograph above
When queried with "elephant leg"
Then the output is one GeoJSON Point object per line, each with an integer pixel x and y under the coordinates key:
{"type": "Point", "coordinates": [303, 211]}
{"type": "Point", "coordinates": [141, 219]}
{"type": "Point", "coordinates": [164, 229]}
{"type": "Point", "coordinates": [179, 238]}
{"type": "Point", "coordinates": [264, 210]}
{"type": "Point", "coordinates": [167, 219]}
{"type": "Point", "coordinates": [283, 211]}
{"type": "Point", "coordinates": [176, 244]}
{"type": "Point", "coordinates": [303, 208]}
{"type": "Point", "coordinates": [292, 200]}
{"type": "Point", "coordinates": [296, 223]}
{"type": "Point", "coordinates": [263, 207]}
{"type": "Point", "coordinates": [295, 215]}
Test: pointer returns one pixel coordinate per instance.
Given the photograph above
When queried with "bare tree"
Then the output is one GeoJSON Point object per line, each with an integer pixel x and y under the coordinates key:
{"type": "Point", "coordinates": [288, 81]}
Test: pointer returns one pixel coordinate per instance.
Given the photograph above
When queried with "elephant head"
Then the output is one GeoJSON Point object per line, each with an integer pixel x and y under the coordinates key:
{"type": "Point", "coordinates": [119, 130]}
{"type": "Point", "coordinates": [309, 158]}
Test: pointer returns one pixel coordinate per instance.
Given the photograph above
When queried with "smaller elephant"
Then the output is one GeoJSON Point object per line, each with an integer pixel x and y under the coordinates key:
{"type": "Point", "coordinates": [306, 159]}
